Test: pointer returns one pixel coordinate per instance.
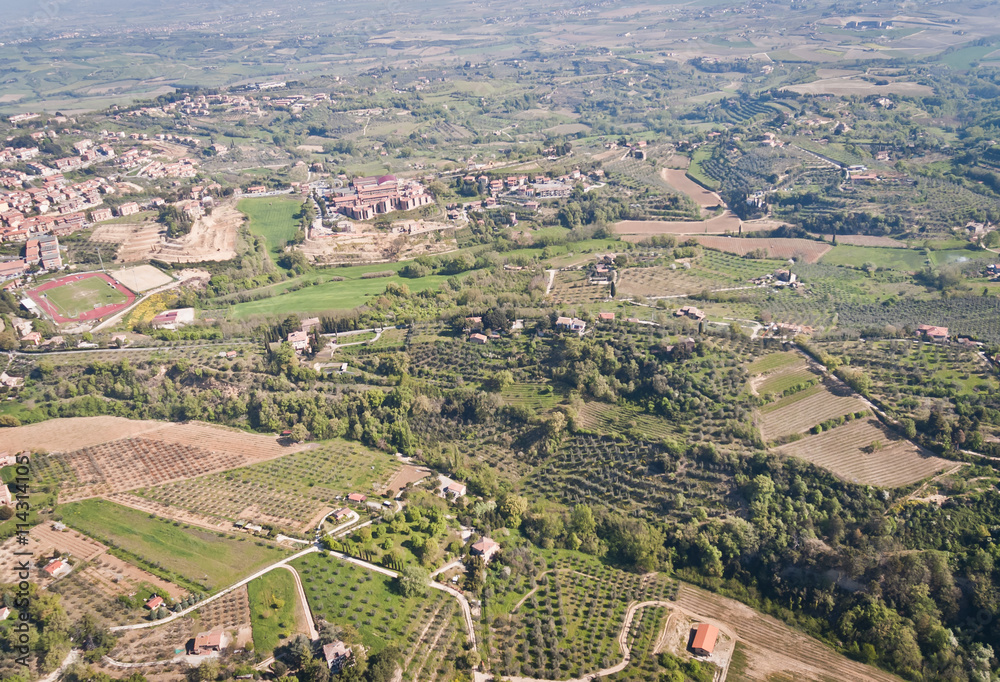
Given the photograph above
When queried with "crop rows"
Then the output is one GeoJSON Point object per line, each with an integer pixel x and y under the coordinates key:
{"type": "Point", "coordinates": [801, 411]}
{"type": "Point", "coordinates": [568, 626]}
{"type": "Point", "coordinates": [849, 451]}
{"type": "Point", "coordinates": [288, 491]}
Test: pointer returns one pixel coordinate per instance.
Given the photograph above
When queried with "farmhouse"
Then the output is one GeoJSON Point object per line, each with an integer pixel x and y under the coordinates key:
{"type": "Point", "coordinates": [207, 642]}
{"type": "Point", "coordinates": [452, 489]}
{"type": "Point", "coordinates": [337, 654]}
{"type": "Point", "coordinates": [154, 603]}
{"type": "Point", "coordinates": [299, 341]}
{"type": "Point", "coordinates": [341, 514]}
{"type": "Point", "coordinates": [485, 548]}
{"type": "Point", "coordinates": [690, 311]}
{"type": "Point", "coordinates": [479, 338]}
{"type": "Point", "coordinates": [172, 319]}
{"type": "Point", "coordinates": [932, 333]}
{"type": "Point", "coordinates": [705, 636]}
{"type": "Point", "coordinates": [57, 568]}
{"type": "Point", "coordinates": [356, 497]}
{"type": "Point", "coordinates": [606, 317]}
{"type": "Point", "coordinates": [571, 323]}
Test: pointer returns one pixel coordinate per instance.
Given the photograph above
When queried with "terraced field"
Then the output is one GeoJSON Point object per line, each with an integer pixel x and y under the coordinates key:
{"type": "Point", "coordinates": [850, 452]}
{"type": "Point", "coordinates": [801, 411]}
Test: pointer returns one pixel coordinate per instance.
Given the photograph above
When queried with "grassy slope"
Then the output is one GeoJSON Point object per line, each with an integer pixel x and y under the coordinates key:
{"type": "Point", "coordinates": [198, 555]}
{"type": "Point", "coordinates": [271, 218]}
{"type": "Point", "coordinates": [892, 259]}
{"type": "Point", "coordinates": [274, 610]}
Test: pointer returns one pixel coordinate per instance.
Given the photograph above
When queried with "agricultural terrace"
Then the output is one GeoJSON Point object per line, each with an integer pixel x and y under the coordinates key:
{"type": "Point", "coordinates": [273, 218]}
{"type": "Point", "coordinates": [428, 628]}
{"type": "Point", "coordinates": [290, 492]}
{"type": "Point", "coordinates": [188, 556]}
{"type": "Point", "coordinates": [560, 618]}
{"type": "Point", "coordinates": [76, 298]}
{"type": "Point", "coordinates": [174, 452]}
{"type": "Point", "coordinates": [865, 452]}
{"type": "Point", "coordinates": [276, 611]}
{"type": "Point", "coordinates": [912, 377]}
{"type": "Point", "coordinates": [707, 270]}
{"type": "Point", "coordinates": [802, 250]}
{"type": "Point", "coordinates": [573, 288]}
{"type": "Point", "coordinates": [631, 476]}
{"type": "Point", "coordinates": [781, 374]}
{"type": "Point", "coordinates": [802, 410]}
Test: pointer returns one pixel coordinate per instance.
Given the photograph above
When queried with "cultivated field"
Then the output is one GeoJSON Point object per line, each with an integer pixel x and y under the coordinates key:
{"type": "Point", "coordinates": [679, 180]}
{"type": "Point", "coordinates": [799, 249]}
{"type": "Point", "coordinates": [292, 492]}
{"type": "Point", "coordinates": [141, 277]}
{"type": "Point", "coordinates": [774, 650]}
{"type": "Point", "coordinates": [574, 288]}
{"type": "Point", "coordinates": [231, 613]}
{"type": "Point", "coordinates": [849, 451]}
{"type": "Point", "coordinates": [208, 559]}
{"type": "Point", "coordinates": [849, 85]}
{"type": "Point", "coordinates": [636, 230]}
{"type": "Point", "coordinates": [712, 270]}
{"type": "Point", "coordinates": [428, 629]}
{"type": "Point", "coordinates": [136, 241]}
{"type": "Point", "coordinates": [60, 435]}
{"type": "Point", "coordinates": [175, 452]}
{"type": "Point", "coordinates": [801, 411]}
{"type": "Point", "coordinates": [869, 240]}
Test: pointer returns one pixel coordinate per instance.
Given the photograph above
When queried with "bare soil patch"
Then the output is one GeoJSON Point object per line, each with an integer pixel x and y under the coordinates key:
{"type": "Point", "coordinates": [212, 238]}
{"type": "Point", "coordinates": [850, 85]}
{"type": "Point", "coordinates": [141, 278]}
{"type": "Point", "coordinates": [721, 224]}
{"type": "Point", "coordinates": [405, 475]}
{"type": "Point", "coordinates": [847, 452]}
{"type": "Point", "coordinates": [151, 453]}
{"type": "Point", "coordinates": [60, 435]}
{"type": "Point", "coordinates": [135, 240]}
{"type": "Point", "coordinates": [679, 180]}
{"type": "Point", "coordinates": [366, 244]}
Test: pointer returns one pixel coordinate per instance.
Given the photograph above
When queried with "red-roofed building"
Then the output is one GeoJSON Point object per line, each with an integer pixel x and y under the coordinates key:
{"type": "Point", "coordinates": [933, 333]}
{"type": "Point", "coordinates": [705, 636]}
{"type": "Point", "coordinates": [207, 642]}
{"type": "Point", "coordinates": [356, 497]}
{"type": "Point", "coordinates": [485, 548]}
{"type": "Point", "coordinates": [154, 603]}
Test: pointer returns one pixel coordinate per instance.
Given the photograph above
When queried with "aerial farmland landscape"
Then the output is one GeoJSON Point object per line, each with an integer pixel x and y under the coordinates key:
{"type": "Point", "coordinates": [500, 342]}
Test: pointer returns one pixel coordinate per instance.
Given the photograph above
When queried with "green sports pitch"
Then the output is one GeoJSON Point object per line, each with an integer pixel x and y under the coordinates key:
{"type": "Point", "coordinates": [73, 299]}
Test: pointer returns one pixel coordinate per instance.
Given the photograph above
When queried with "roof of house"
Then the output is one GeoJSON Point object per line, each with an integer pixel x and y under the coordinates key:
{"type": "Point", "coordinates": [478, 337]}
{"type": "Point", "coordinates": [356, 497]}
{"type": "Point", "coordinates": [704, 637]}
{"type": "Point", "coordinates": [334, 650]}
{"type": "Point", "coordinates": [53, 566]}
{"type": "Point", "coordinates": [607, 316]}
{"type": "Point", "coordinates": [155, 602]}
{"type": "Point", "coordinates": [932, 330]}
{"type": "Point", "coordinates": [485, 545]}
{"type": "Point", "coordinates": [208, 639]}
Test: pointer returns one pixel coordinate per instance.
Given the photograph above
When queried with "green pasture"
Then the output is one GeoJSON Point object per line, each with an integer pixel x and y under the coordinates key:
{"type": "Point", "coordinates": [273, 219]}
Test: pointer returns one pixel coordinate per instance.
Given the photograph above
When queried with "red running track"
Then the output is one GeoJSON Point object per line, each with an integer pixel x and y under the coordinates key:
{"type": "Point", "coordinates": [43, 303]}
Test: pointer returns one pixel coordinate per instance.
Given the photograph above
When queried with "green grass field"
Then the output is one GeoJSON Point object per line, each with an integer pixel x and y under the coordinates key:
{"type": "Point", "coordinates": [73, 299]}
{"type": "Point", "coordinates": [274, 610]}
{"type": "Point", "coordinates": [272, 218]}
{"type": "Point", "coordinates": [343, 295]}
{"type": "Point", "coordinates": [883, 258]}
{"type": "Point", "coordinates": [197, 556]}
{"type": "Point", "coordinates": [773, 361]}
